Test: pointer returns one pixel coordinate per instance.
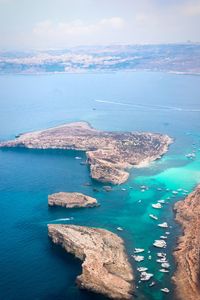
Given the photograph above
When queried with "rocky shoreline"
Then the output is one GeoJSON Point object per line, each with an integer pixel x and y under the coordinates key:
{"type": "Point", "coordinates": [71, 200]}
{"type": "Point", "coordinates": [109, 154]}
{"type": "Point", "coordinates": [187, 253]}
{"type": "Point", "coordinates": [105, 268]}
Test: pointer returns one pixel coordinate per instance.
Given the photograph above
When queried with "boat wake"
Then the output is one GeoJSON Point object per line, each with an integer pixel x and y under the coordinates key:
{"type": "Point", "coordinates": [62, 219]}
{"type": "Point", "coordinates": [151, 107]}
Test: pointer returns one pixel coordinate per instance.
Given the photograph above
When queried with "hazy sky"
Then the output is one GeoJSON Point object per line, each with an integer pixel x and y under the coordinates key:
{"type": "Point", "coordinates": [41, 24]}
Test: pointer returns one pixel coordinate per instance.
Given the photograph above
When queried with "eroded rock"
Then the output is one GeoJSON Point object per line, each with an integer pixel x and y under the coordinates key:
{"type": "Point", "coordinates": [105, 268]}
{"type": "Point", "coordinates": [71, 200]}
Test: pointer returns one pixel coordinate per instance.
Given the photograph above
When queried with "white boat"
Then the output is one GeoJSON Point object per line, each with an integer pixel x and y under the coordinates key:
{"type": "Point", "coordinates": [123, 189]}
{"type": "Point", "coordinates": [119, 228]}
{"type": "Point", "coordinates": [153, 217]}
{"type": "Point", "coordinates": [156, 205]}
{"type": "Point", "coordinates": [161, 254]}
{"type": "Point", "coordinates": [165, 265]}
{"type": "Point", "coordinates": [175, 192]}
{"type": "Point", "coordinates": [190, 155]}
{"type": "Point", "coordinates": [142, 269]}
{"type": "Point", "coordinates": [163, 225]}
{"type": "Point", "coordinates": [152, 284]}
{"type": "Point", "coordinates": [149, 257]}
{"type": "Point", "coordinates": [161, 201]}
{"type": "Point", "coordinates": [161, 260]}
{"type": "Point", "coordinates": [138, 258]}
{"type": "Point", "coordinates": [165, 290]}
{"type": "Point", "coordinates": [160, 244]}
{"type": "Point", "coordinates": [78, 157]}
{"type": "Point", "coordinates": [146, 276]}
{"type": "Point", "coordinates": [164, 271]}
{"type": "Point", "coordinates": [138, 250]}
{"type": "Point", "coordinates": [163, 237]}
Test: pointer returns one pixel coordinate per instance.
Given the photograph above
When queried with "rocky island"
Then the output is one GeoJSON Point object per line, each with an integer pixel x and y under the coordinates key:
{"type": "Point", "coordinates": [105, 269]}
{"type": "Point", "coordinates": [109, 154]}
{"type": "Point", "coordinates": [71, 200]}
{"type": "Point", "coordinates": [187, 253]}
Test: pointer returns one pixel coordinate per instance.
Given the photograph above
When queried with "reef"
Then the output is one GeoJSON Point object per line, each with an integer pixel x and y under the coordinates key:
{"type": "Point", "coordinates": [109, 154]}
{"type": "Point", "coordinates": [105, 268]}
{"type": "Point", "coordinates": [71, 200]}
{"type": "Point", "coordinates": [187, 253]}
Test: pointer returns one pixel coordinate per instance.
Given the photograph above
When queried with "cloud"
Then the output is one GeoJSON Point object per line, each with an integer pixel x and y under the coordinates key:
{"type": "Point", "coordinates": [191, 9]}
{"type": "Point", "coordinates": [75, 30]}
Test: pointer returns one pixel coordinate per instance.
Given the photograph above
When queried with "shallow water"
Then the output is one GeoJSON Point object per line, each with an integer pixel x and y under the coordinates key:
{"type": "Point", "coordinates": [31, 267]}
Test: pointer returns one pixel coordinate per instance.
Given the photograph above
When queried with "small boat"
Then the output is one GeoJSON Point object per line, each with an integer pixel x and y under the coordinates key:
{"type": "Point", "coordinates": [161, 254]}
{"type": "Point", "coordinates": [138, 258]}
{"type": "Point", "coordinates": [78, 157]}
{"type": "Point", "coordinates": [190, 155]}
{"type": "Point", "coordinates": [163, 225]}
{"type": "Point", "coordinates": [175, 192]}
{"type": "Point", "coordinates": [164, 271]}
{"type": "Point", "coordinates": [138, 250]}
{"type": "Point", "coordinates": [165, 290]}
{"type": "Point", "coordinates": [161, 201]}
{"type": "Point", "coordinates": [160, 244]}
{"type": "Point", "coordinates": [153, 217]}
{"type": "Point", "coordinates": [146, 276]}
{"type": "Point", "coordinates": [167, 232]}
{"type": "Point", "coordinates": [119, 228]}
{"type": "Point", "coordinates": [156, 205]}
{"type": "Point", "coordinates": [159, 189]}
{"type": "Point", "coordinates": [149, 257]}
{"type": "Point", "coordinates": [163, 237]}
{"type": "Point", "coordinates": [152, 283]}
{"type": "Point", "coordinates": [161, 260]}
{"type": "Point", "coordinates": [165, 265]}
{"type": "Point", "coordinates": [123, 189]}
{"type": "Point", "coordinates": [142, 269]}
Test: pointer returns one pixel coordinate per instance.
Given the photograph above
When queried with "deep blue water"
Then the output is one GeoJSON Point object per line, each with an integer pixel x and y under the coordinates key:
{"type": "Point", "coordinates": [31, 267]}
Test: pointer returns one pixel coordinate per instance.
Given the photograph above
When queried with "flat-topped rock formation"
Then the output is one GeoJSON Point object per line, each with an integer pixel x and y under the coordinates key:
{"type": "Point", "coordinates": [105, 268]}
{"type": "Point", "coordinates": [109, 154]}
{"type": "Point", "coordinates": [187, 254]}
{"type": "Point", "coordinates": [71, 200]}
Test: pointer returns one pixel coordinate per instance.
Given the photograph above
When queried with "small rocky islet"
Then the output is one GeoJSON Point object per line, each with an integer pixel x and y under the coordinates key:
{"type": "Point", "coordinates": [71, 200]}
{"type": "Point", "coordinates": [105, 269]}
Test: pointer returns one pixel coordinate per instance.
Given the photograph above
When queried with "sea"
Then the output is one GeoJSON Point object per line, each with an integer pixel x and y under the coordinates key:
{"type": "Point", "coordinates": [31, 266]}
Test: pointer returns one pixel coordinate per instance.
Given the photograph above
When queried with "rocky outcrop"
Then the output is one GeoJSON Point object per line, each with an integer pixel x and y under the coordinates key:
{"type": "Point", "coordinates": [110, 154]}
{"type": "Point", "coordinates": [187, 253]}
{"type": "Point", "coordinates": [71, 200]}
{"type": "Point", "coordinates": [105, 268]}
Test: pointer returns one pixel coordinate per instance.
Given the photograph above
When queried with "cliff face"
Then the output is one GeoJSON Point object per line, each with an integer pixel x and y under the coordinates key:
{"type": "Point", "coordinates": [71, 200]}
{"type": "Point", "coordinates": [187, 254]}
{"type": "Point", "coordinates": [109, 153]}
{"type": "Point", "coordinates": [105, 267]}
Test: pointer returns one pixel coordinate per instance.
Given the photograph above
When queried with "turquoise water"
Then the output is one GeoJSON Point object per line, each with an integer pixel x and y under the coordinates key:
{"type": "Point", "coordinates": [31, 267]}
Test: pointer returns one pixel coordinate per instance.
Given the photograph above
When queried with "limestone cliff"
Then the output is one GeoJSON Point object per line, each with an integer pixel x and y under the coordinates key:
{"type": "Point", "coordinates": [110, 154]}
{"type": "Point", "coordinates": [105, 268]}
{"type": "Point", "coordinates": [187, 253]}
